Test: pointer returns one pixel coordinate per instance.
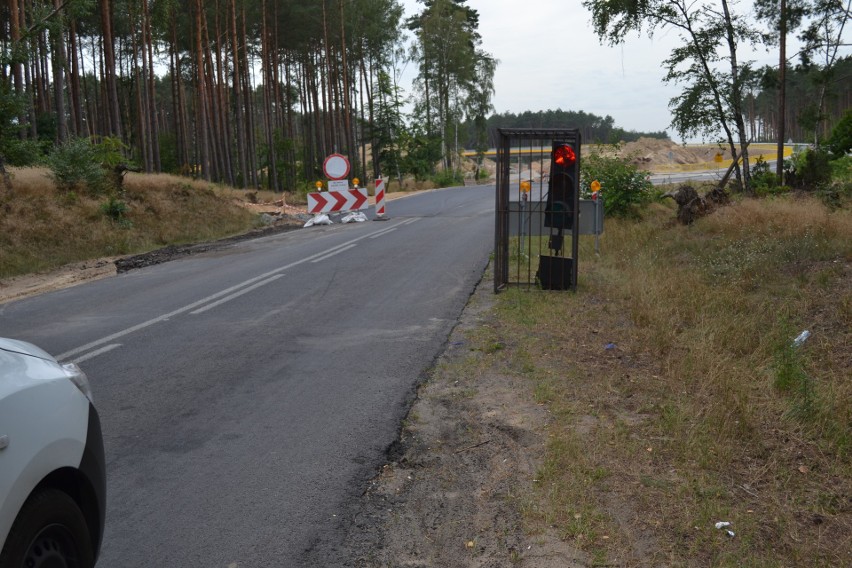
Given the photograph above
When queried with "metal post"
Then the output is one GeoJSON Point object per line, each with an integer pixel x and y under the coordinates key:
{"type": "Point", "coordinates": [597, 226]}
{"type": "Point", "coordinates": [523, 220]}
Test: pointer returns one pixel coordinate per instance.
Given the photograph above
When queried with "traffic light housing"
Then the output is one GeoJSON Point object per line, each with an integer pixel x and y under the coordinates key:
{"type": "Point", "coordinates": [564, 185]}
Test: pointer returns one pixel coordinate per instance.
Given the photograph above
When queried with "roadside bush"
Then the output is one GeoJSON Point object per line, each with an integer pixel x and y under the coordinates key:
{"type": "Point", "coordinates": [625, 188]}
{"type": "Point", "coordinates": [116, 210]}
{"type": "Point", "coordinates": [835, 193]}
{"type": "Point", "coordinates": [448, 178]}
{"type": "Point", "coordinates": [764, 181]}
{"type": "Point", "coordinates": [23, 153]}
{"type": "Point", "coordinates": [840, 141]}
{"type": "Point", "coordinates": [841, 170]}
{"type": "Point", "coordinates": [810, 169]}
{"type": "Point", "coordinates": [109, 152]}
{"type": "Point", "coordinates": [421, 155]}
{"type": "Point", "coordinates": [75, 166]}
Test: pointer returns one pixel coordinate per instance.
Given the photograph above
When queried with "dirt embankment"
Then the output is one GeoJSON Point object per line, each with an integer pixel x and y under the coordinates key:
{"type": "Point", "coordinates": [27, 285]}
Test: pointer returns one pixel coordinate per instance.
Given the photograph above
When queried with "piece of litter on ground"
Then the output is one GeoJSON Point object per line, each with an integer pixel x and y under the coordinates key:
{"type": "Point", "coordinates": [722, 524]}
{"type": "Point", "coordinates": [730, 533]}
{"type": "Point", "coordinates": [801, 338]}
{"type": "Point", "coordinates": [319, 219]}
{"type": "Point", "coordinates": [353, 217]}
{"type": "Point", "coordinates": [609, 346]}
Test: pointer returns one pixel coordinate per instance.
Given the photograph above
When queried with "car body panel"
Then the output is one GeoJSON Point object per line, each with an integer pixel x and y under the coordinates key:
{"type": "Point", "coordinates": [93, 466]}
{"type": "Point", "coordinates": [17, 346]}
{"type": "Point", "coordinates": [45, 421]}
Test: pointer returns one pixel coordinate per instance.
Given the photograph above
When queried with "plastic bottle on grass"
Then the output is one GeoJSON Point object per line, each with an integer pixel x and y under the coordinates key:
{"type": "Point", "coordinates": [801, 338]}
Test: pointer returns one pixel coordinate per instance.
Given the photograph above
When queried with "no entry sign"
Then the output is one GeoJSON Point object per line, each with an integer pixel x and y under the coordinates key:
{"type": "Point", "coordinates": [336, 166]}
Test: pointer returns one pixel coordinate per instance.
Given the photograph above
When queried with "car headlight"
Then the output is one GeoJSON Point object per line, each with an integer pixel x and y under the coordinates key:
{"type": "Point", "coordinates": [79, 378]}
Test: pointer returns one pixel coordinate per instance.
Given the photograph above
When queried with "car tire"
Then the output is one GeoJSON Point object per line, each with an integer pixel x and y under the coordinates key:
{"type": "Point", "coordinates": [50, 530]}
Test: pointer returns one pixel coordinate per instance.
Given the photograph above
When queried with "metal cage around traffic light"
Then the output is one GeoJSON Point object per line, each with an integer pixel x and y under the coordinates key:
{"type": "Point", "coordinates": [538, 208]}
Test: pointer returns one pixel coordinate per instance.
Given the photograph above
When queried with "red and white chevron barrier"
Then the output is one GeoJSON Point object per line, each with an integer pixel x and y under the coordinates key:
{"type": "Point", "coordinates": [334, 201]}
{"type": "Point", "coordinates": [380, 198]}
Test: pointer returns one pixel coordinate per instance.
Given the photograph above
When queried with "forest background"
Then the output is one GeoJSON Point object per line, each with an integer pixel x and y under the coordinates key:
{"type": "Point", "coordinates": [255, 94]}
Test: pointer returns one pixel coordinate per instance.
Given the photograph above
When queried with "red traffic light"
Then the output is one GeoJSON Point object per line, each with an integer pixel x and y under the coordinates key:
{"type": "Point", "coordinates": [564, 156]}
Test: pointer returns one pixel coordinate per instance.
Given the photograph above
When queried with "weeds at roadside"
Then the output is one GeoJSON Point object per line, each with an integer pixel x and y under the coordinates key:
{"type": "Point", "coordinates": [701, 410]}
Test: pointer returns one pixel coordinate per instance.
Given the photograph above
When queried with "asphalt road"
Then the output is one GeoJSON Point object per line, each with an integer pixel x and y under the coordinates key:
{"type": "Point", "coordinates": [696, 176]}
{"type": "Point", "coordinates": [247, 395]}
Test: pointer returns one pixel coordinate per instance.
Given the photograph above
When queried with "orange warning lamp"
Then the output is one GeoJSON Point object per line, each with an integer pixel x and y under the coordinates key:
{"type": "Point", "coordinates": [318, 185]}
{"type": "Point", "coordinates": [355, 181]}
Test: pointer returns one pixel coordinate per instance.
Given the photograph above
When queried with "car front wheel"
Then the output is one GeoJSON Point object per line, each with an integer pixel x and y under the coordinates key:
{"type": "Point", "coordinates": [49, 532]}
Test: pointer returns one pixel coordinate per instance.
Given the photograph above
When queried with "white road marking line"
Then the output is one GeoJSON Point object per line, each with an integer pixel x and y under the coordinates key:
{"type": "Point", "coordinates": [237, 294]}
{"type": "Point", "coordinates": [95, 353]}
{"type": "Point", "coordinates": [334, 253]}
{"type": "Point", "coordinates": [383, 233]}
{"type": "Point", "coordinates": [158, 319]}
{"type": "Point", "coordinates": [189, 307]}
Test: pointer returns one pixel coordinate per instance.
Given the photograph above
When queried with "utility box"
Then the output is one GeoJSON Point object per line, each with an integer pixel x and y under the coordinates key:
{"type": "Point", "coordinates": [528, 217]}
{"type": "Point", "coordinates": [555, 273]}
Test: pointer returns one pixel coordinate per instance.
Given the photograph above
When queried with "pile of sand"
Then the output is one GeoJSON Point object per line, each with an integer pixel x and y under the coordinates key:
{"type": "Point", "coordinates": [649, 152]}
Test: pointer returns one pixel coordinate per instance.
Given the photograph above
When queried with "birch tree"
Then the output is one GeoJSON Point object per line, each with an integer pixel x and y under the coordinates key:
{"type": "Point", "coordinates": [706, 63]}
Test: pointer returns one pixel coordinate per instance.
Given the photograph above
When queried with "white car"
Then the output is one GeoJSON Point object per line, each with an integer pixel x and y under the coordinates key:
{"type": "Point", "coordinates": [52, 473]}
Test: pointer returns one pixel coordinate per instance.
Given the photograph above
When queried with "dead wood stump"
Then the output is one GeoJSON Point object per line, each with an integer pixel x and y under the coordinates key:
{"type": "Point", "coordinates": [118, 172]}
{"type": "Point", "coordinates": [691, 206]}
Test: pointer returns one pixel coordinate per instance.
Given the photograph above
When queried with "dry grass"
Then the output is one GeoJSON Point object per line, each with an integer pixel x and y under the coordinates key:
{"type": "Point", "coordinates": [41, 229]}
{"type": "Point", "coordinates": [700, 411]}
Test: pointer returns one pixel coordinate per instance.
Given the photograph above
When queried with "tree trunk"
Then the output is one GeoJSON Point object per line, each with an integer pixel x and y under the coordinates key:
{"type": "Point", "coordinates": [30, 87]}
{"type": "Point", "coordinates": [238, 102]}
{"type": "Point", "coordinates": [201, 93]}
{"type": "Point", "coordinates": [782, 91]}
{"type": "Point", "coordinates": [114, 112]}
{"type": "Point", "coordinates": [269, 121]}
{"type": "Point", "coordinates": [328, 102]}
{"type": "Point", "coordinates": [154, 132]}
{"type": "Point", "coordinates": [347, 102]}
{"type": "Point", "coordinates": [737, 101]}
{"type": "Point", "coordinates": [58, 60]}
{"type": "Point", "coordinates": [251, 157]}
{"type": "Point", "coordinates": [140, 82]}
{"type": "Point", "coordinates": [15, 15]}
{"type": "Point", "coordinates": [181, 119]}
{"type": "Point", "coordinates": [75, 51]}
{"type": "Point", "coordinates": [213, 108]}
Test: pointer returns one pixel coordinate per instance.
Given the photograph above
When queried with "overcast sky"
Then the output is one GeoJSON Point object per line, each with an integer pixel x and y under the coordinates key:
{"type": "Point", "coordinates": [550, 58]}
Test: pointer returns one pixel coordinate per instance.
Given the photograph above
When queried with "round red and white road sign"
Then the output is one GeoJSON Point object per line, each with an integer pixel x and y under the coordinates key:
{"type": "Point", "coordinates": [336, 166]}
